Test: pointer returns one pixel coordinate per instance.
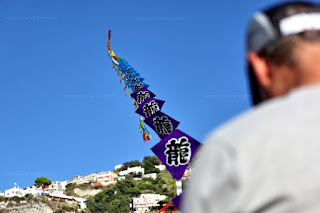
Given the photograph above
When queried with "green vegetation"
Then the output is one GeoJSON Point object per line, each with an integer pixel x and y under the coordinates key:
{"type": "Point", "coordinates": [148, 164]}
{"type": "Point", "coordinates": [28, 195]}
{"type": "Point", "coordinates": [59, 211]}
{"type": "Point", "coordinates": [116, 198]}
{"type": "Point", "coordinates": [42, 181]}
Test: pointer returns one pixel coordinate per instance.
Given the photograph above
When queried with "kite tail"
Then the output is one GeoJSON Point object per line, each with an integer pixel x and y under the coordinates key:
{"type": "Point", "coordinates": [145, 134]}
{"type": "Point", "coordinates": [117, 64]}
{"type": "Point", "coordinates": [109, 37]}
{"type": "Point", "coordinates": [136, 105]}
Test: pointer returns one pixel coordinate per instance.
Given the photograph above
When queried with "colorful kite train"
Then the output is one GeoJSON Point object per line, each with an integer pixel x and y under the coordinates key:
{"type": "Point", "coordinates": [176, 149]}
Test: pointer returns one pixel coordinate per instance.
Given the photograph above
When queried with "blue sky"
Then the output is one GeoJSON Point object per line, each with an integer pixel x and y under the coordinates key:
{"type": "Point", "coordinates": [63, 110]}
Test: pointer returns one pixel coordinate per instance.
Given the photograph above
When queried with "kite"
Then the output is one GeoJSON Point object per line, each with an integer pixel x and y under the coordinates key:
{"type": "Point", "coordinates": [176, 149]}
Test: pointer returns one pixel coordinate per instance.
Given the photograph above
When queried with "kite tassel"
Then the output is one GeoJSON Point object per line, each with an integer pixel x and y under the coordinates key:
{"type": "Point", "coordinates": [145, 134]}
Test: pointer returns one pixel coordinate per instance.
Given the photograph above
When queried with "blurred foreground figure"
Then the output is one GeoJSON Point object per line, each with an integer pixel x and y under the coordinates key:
{"type": "Point", "coordinates": [268, 159]}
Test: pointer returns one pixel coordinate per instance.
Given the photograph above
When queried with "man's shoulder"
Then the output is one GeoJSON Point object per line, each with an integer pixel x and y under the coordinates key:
{"type": "Point", "coordinates": [272, 117]}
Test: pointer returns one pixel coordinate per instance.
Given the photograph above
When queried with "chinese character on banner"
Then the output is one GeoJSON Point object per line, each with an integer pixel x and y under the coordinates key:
{"type": "Point", "coordinates": [138, 86]}
{"type": "Point", "coordinates": [129, 71]}
{"type": "Point", "coordinates": [162, 124]}
{"type": "Point", "coordinates": [149, 107]}
{"type": "Point", "coordinates": [134, 80]}
{"type": "Point", "coordinates": [176, 152]}
{"type": "Point", "coordinates": [141, 95]}
{"type": "Point", "coordinates": [131, 75]}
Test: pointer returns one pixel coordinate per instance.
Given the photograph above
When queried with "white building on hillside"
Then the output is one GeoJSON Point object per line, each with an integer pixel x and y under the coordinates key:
{"type": "Point", "coordinates": [135, 169]}
{"type": "Point", "coordinates": [121, 178]}
{"type": "Point", "coordinates": [150, 175]}
{"type": "Point", "coordinates": [161, 167]}
{"type": "Point", "coordinates": [17, 191]}
{"type": "Point", "coordinates": [76, 179]}
{"type": "Point", "coordinates": [118, 166]}
{"type": "Point", "coordinates": [57, 186]}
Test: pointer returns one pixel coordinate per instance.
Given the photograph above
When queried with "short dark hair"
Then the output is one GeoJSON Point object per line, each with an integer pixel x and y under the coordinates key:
{"type": "Point", "coordinates": [280, 51]}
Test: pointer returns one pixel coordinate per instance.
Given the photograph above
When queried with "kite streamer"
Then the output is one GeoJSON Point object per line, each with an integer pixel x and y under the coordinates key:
{"type": "Point", "coordinates": [176, 149]}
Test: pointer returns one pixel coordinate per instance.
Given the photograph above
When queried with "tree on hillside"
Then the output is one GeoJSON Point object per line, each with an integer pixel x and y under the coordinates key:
{"type": "Point", "coordinates": [122, 186]}
{"type": "Point", "coordinates": [96, 205]}
{"type": "Point", "coordinates": [153, 159]}
{"type": "Point", "coordinates": [134, 191]}
{"type": "Point", "coordinates": [149, 167]}
{"type": "Point", "coordinates": [42, 181]}
{"type": "Point", "coordinates": [135, 163]}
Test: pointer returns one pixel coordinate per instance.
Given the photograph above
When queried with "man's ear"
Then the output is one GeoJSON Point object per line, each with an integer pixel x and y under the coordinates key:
{"type": "Point", "coordinates": [260, 69]}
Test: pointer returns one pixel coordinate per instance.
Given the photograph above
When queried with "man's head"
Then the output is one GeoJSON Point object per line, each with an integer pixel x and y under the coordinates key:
{"type": "Point", "coordinates": [283, 49]}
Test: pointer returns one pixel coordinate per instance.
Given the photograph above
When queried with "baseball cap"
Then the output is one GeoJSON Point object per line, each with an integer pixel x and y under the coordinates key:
{"type": "Point", "coordinates": [273, 24]}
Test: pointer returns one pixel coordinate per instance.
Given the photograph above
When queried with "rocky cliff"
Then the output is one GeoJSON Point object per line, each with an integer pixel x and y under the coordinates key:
{"type": "Point", "coordinates": [24, 205]}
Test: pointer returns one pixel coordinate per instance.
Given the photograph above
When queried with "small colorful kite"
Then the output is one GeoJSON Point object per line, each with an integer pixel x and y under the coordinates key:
{"type": "Point", "coordinates": [176, 149]}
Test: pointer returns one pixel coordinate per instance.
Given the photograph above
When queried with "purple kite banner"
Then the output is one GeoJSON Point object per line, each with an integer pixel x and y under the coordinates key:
{"type": "Point", "coordinates": [176, 201]}
{"type": "Point", "coordinates": [149, 107]}
{"type": "Point", "coordinates": [176, 152]}
{"type": "Point", "coordinates": [141, 95]}
{"type": "Point", "coordinates": [138, 85]}
{"type": "Point", "coordinates": [162, 124]}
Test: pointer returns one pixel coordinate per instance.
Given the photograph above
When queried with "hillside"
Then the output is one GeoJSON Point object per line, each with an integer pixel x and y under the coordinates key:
{"type": "Point", "coordinates": [113, 198]}
{"type": "Point", "coordinates": [116, 198]}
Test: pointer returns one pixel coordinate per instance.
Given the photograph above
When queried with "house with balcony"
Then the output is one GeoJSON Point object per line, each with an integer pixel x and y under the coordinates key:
{"type": "Point", "coordinates": [106, 178]}
{"type": "Point", "coordinates": [92, 177]}
{"type": "Point", "coordinates": [146, 202]}
{"type": "Point", "coordinates": [56, 186]}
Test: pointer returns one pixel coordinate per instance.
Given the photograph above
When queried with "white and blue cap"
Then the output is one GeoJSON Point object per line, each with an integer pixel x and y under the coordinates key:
{"type": "Point", "coordinates": [264, 29]}
{"type": "Point", "coordinates": [273, 24]}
